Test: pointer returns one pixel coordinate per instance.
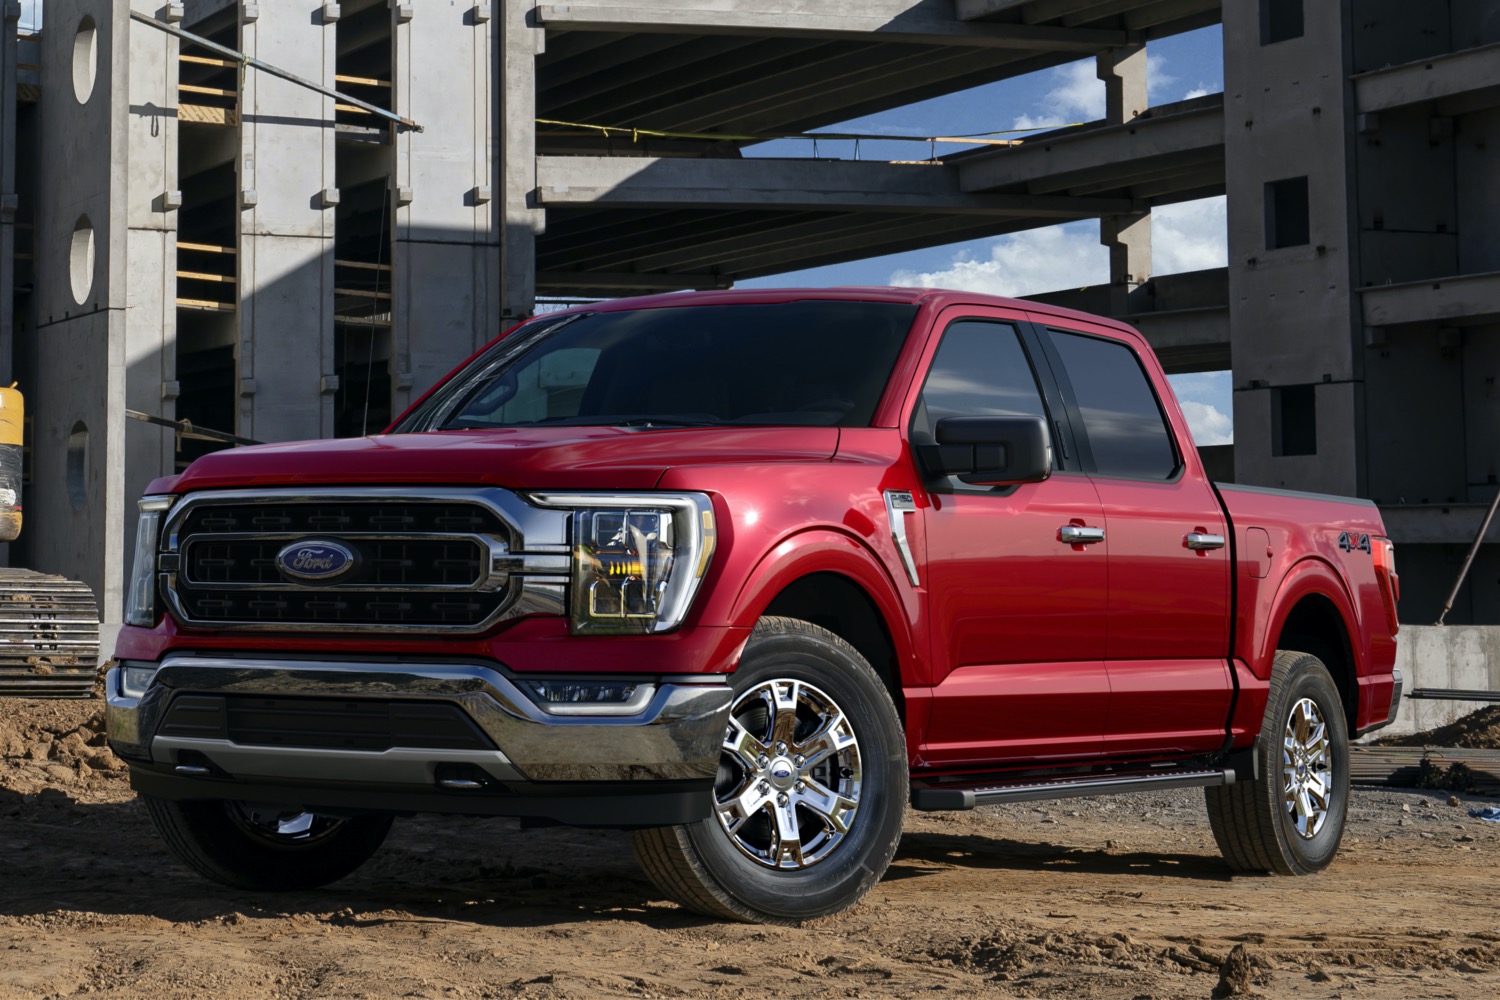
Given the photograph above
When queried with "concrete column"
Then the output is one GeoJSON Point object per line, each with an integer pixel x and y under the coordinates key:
{"type": "Point", "coordinates": [9, 18]}
{"type": "Point", "coordinates": [75, 509]}
{"type": "Point", "coordinates": [1128, 238]}
{"type": "Point", "coordinates": [521, 42]}
{"type": "Point", "coordinates": [286, 228]}
{"type": "Point", "coordinates": [448, 205]}
{"type": "Point", "coordinates": [1295, 318]}
{"type": "Point", "coordinates": [1123, 71]}
{"type": "Point", "coordinates": [151, 244]}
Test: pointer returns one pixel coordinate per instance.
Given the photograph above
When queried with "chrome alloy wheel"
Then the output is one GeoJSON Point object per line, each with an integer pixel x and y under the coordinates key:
{"type": "Point", "coordinates": [789, 777]}
{"type": "Point", "coordinates": [279, 827]}
{"type": "Point", "coordinates": [1307, 768]}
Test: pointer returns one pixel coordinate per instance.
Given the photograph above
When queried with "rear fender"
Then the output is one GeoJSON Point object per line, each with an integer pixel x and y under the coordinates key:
{"type": "Point", "coordinates": [1312, 575]}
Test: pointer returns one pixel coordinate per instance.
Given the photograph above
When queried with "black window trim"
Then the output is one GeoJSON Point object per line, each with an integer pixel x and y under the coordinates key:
{"type": "Point", "coordinates": [1065, 447]}
{"type": "Point", "coordinates": [1075, 414]}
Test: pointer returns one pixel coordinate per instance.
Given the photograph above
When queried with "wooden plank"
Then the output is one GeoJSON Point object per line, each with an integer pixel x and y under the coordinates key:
{"type": "Point", "coordinates": [193, 88]}
{"type": "Point", "coordinates": [363, 81]}
{"type": "Point", "coordinates": [361, 265]}
{"type": "Point", "coordinates": [205, 305]}
{"type": "Point", "coordinates": [207, 114]}
{"type": "Point", "coordinates": [204, 247]}
{"type": "Point", "coordinates": [202, 276]}
{"type": "Point", "coordinates": [361, 293]}
{"type": "Point", "coordinates": [208, 61]}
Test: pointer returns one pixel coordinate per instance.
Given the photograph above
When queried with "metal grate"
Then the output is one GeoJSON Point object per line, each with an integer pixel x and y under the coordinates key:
{"type": "Point", "coordinates": [323, 723]}
{"type": "Point", "coordinates": [416, 564]}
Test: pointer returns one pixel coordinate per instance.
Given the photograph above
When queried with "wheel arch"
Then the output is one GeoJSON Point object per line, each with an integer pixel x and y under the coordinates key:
{"type": "Point", "coordinates": [1314, 623]}
{"type": "Point", "coordinates": [836, 583]}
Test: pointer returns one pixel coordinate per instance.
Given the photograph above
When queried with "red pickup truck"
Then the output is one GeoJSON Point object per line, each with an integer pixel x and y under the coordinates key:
{"type": "Point", "coordinates": [749, 573]}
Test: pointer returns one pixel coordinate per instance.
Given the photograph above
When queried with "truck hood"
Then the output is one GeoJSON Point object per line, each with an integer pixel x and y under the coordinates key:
{"type": "Point", "coordinates": [518, 458]}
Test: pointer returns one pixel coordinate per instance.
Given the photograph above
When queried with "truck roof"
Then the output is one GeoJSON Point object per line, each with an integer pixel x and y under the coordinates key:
{"type": "Point", "coordinates": [935, 297]}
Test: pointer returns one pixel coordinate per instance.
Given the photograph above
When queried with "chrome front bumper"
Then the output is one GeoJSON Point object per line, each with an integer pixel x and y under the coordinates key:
{"type": "Point", "coordinates": [672, 733]}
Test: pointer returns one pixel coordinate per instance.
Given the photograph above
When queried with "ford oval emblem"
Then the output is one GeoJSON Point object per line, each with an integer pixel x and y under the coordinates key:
{"type": "Point", "coordinates": [783, 772]}
{"type": "Point", "coordinates": [314, 562]}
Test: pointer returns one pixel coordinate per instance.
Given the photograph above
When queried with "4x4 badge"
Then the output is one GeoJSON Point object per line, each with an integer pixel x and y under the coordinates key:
{"type": "Point", "coordinates": [315, 562]}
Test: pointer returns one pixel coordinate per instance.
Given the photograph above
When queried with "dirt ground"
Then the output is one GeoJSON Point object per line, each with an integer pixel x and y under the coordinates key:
{"type": "Point", "coordinates": [1119, 897]}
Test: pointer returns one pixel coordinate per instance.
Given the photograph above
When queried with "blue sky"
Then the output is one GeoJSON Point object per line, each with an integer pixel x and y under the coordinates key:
{"type": "Point", "coordinates": [1185, 237]}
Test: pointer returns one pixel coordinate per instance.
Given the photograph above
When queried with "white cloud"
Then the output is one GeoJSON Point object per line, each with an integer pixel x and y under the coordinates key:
{"type": "Point", "coordinates": [1209, 424]}
{"type": "Point", "coordinates": [1038, 260]}
{"type": "Point", "coordinates": [1189, 236]}
{"type": "Point", "coordinates": [1198, 91]}
{"type": "Point", "coordinates": [1077, 93]}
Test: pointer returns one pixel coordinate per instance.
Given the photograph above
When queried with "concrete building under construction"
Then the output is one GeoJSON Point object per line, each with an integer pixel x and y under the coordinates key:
{"type": "Point", "coordinates": [192, 238]}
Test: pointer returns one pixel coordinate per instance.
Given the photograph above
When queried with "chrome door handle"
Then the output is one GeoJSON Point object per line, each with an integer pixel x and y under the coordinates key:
{"type": "Point", "coordinates": [1200, 541]}
{"type": "Point", "coordinates": [1075, 534]}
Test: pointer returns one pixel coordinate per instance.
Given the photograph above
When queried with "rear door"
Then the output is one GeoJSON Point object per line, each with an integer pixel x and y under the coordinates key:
{"type": "Point", "coordinates": [1169, 569]}
{"type": "Point", "coordinates": [1018, 614]}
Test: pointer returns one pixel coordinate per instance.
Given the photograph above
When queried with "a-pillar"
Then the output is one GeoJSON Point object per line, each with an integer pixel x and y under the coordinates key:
{"type": "Point", "coordinates": [287, 201]}
{"type": "Point", "coordinates": [1128, 237]}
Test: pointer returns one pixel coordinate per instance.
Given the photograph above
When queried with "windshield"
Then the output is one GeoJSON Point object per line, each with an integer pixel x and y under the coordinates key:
{"type": "Point", "coordinates": [816, 363]}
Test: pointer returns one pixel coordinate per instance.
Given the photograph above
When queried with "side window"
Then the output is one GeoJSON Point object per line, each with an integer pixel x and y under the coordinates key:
{"type": "Point", "coordinates": [1126, 431]}
{"type": "Point", "coordinates": [980, 370]}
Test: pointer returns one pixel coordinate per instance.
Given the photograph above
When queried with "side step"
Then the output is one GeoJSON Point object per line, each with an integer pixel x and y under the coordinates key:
{"type": "Point", "coordinates": [928, 798]}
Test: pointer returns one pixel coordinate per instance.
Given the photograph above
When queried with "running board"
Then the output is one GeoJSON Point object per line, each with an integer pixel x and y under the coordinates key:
{"type": "Point", "coordinates": [937, 799]}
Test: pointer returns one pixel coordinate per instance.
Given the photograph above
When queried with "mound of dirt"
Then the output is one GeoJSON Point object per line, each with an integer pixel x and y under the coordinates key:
{"type": "Point", "coordinates": [60, 745]}
{"type": "Point", "coordinates": [1476, 731]}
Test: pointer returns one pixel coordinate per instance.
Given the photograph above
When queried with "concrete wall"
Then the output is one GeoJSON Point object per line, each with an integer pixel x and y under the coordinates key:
{"type": "Point", "coordinates": [1292, 313]}
{"type": "Point", "coordinates": [1459, 657]}
{"type": "Point", "coordinates": [286, 236]}
{"type": "Point", "coordinates": [78, 396]}
{"type": "Point", "coordinates": [447, 263]}
{"type": "Point", "coordinates": [151, 271]}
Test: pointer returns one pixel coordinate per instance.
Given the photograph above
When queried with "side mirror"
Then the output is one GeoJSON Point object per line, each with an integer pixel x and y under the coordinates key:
{"type": "Point", "coordinates": [990, 451]}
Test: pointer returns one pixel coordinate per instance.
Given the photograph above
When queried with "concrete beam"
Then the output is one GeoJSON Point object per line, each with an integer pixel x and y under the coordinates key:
{"type": "Point", "coordinates": [620, 282]}
{"type": "Point", "coordinates": [1456, 301]}
{"type": "Point", "coordinates": [815, 185]}
{"type": "Point", "coordinates": [1186, 340]}
{"type": "Point", "coordinates": [915, 22]}
{"type": "Point", "coordinates": [1437, 524]}
{"type": "Point", "coordinates": [978, 10]}
{"type": "Point", "coordinates": [1431, 79]}
{"type": "Point", "coordinates": [1105, 149]}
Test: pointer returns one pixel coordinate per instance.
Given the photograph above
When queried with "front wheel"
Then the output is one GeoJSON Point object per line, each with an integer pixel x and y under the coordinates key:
{"type": "Point", "coordinates": [811, 789]}
{"type": "Point", "coordinates": [253, 846]}
{"type": "Point", "coordinates": [1290, 818]}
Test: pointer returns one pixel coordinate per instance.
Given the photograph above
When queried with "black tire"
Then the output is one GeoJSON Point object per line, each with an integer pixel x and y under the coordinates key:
{"type": "Point", "coordinates": [1255, 821]}
{"type": "Point", "coordinates": [234, 843]}
{"type": "Point", "coordinates": [753, 875]}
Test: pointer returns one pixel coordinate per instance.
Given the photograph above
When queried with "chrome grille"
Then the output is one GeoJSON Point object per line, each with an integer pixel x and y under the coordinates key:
{"type": "Point", "coordinates": [438, 564]}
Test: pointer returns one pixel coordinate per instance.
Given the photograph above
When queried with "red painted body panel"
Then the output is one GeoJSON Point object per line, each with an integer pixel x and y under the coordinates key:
{"type": "Point", "coordinates": [1013, 647]}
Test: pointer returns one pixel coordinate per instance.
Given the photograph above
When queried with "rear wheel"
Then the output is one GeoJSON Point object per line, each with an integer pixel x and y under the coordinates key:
{"type": "Point", "coordinates": [254, 846]}
{"type": "Point", "coordinates": [811, 789]}
{"type": "Point", "coordinates": [1290, 818]}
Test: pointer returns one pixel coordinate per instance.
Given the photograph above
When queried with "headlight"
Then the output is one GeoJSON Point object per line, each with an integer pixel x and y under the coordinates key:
{"type": "Point", "coordinates": [140, 600]}
{"type": "Point", "coordinates": [637, 559]}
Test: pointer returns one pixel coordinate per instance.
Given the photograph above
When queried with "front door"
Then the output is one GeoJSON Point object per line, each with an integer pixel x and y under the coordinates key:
{"type": "Point", "coordinates": [1018, 613]}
